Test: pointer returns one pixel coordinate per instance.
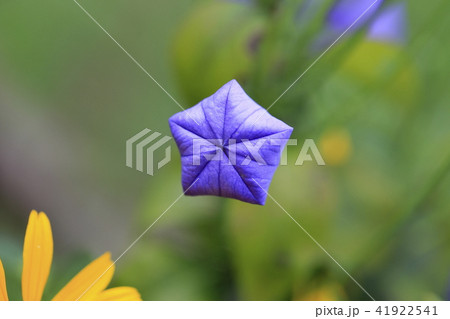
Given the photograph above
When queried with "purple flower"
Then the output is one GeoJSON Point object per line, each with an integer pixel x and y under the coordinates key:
{"type": "Point", "coordinates": [229, 145]}
{"type": "Point", "coordinates": [345, 12]}
{"type": "Point", "coordinates": [389, 25]}
{"type": "Point", "coordinates": [384, 24]}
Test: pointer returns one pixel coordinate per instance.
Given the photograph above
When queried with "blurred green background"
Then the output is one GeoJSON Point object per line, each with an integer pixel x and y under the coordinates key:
{"type": "Point", "coordinates": [379, 112]}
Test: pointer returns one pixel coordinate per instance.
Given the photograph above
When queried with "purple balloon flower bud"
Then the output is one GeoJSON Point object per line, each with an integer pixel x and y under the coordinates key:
{"type": "Point", "coordinates": [229, 145]}
{"type": "Point", "coordinates": [389, 25]}
{"type": "Point", "coordinates": [345, 12]}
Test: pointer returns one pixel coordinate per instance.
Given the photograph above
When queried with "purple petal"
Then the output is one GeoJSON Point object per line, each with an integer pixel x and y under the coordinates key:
{"type": "Point", "coordinates": [390, 25]}
{"type": "Point", "coordinates": [345, 12]}
{"type": "Point", "coordinates": [226, 166]}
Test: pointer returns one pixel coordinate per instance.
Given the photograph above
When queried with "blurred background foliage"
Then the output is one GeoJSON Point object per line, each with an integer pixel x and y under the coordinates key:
{"type": "Point", "coordinates": [378, 109]}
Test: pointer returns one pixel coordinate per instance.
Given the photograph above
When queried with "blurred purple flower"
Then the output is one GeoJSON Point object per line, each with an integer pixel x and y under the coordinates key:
{"type": "Point", "coordinates": [385, 24]}
{"type": "Point", "coordinates": [390, 24]}
{"type": "Point", "coordinates": [215, 156]}
{"type": "Point", "coordinates": [345, 12]}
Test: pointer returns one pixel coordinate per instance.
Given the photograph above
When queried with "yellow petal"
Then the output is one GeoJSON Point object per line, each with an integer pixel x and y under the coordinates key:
{"type": "Point", "coordinates": [119, 294]}
{"type": "Point", "coordinates": [37, 256]}
{"type": "Point", "coordinates": [90, 281]}
{"type": "Point", "coordinates": [3, 291]}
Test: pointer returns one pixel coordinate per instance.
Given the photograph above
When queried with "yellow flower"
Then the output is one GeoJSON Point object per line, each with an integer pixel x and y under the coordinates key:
{"type": "Point", "coordinates": [328, 292]}
{"type": "Point", "coordinates": [336, 146]}
{"type": "Point", "coordinates": [89, 284]}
